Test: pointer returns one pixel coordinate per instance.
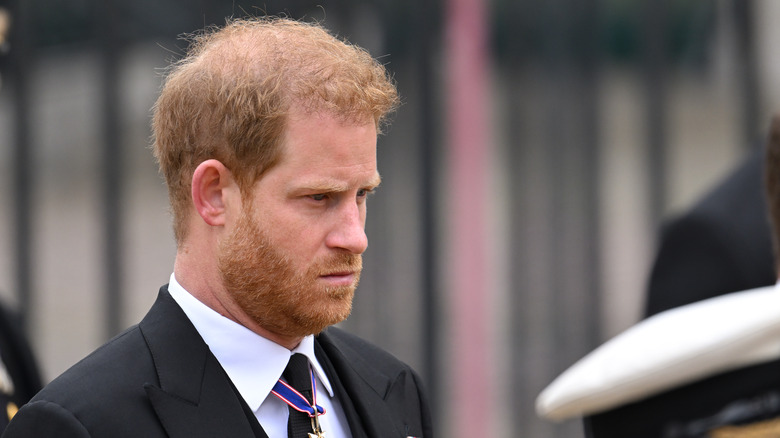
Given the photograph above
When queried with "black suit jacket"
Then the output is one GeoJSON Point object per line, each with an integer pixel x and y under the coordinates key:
{"type": "Point", "coordinates": [159, 379]}
{"type": "Point", "coordinates": [722, 245]}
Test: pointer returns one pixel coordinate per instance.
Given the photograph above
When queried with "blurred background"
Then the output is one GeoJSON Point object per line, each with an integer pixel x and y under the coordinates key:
{"type": "Point", "coordinates": [539, 149]}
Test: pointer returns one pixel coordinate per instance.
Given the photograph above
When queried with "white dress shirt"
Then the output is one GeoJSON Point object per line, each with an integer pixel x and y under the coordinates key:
{"type": "Point", "coordinates": [255, 363]}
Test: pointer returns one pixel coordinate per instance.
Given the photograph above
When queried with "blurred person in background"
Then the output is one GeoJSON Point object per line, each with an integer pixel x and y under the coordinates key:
{"type": "Point", "coordinates": [723, 245]}
{"type": "Point", "coordinates": [266, 135]}
{"type": "Point", "coordinates": [19, 375]}
{"type": "Point", "coordinates": [705, 361]}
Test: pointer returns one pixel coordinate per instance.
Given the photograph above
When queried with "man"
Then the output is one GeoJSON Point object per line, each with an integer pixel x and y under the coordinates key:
{"type": "Point", "coordinates": [266, 135]}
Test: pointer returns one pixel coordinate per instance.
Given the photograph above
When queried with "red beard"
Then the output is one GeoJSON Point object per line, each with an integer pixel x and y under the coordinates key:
{"type": "Point", "coordinates": [265, 285]}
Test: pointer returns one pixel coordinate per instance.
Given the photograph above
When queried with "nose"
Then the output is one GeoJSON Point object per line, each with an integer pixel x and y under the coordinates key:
{"type": "Point", "coordinates": [348, 232]}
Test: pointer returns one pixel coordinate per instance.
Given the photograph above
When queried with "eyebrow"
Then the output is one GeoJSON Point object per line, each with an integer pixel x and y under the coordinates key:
{"type": "Point", "coordinates": [327, 186]}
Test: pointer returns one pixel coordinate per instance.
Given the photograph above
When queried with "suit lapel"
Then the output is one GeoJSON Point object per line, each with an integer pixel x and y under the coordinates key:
{"type": "Point", "coordinates": [194, 397]}
{"type": "Point", "coordinates": [360, 388]}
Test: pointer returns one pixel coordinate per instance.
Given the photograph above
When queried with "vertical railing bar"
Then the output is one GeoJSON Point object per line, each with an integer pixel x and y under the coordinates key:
{"type": "Point", "coordinates": [426, 35]}
{"type": "Point", "coordinates": [747, 73]}
{"type": "Point", "coordinates": [22, 61]}
{"type": "Point", "coordinates": [654, 57]}
{"type": "Point", "coordinates": [112, 171]}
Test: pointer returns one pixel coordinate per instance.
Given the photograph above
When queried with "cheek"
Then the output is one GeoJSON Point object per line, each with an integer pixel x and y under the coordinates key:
{"type": "Point", "coordinates": [297, 235]}
{"type": "Point", "coordinates": [280, 226]}
{"type": "Point", "coordinates": [300, 243]}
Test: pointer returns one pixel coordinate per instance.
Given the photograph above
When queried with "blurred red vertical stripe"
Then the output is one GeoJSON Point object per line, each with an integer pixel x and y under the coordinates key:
{"type": "Point", "coordinates": [469, 147]}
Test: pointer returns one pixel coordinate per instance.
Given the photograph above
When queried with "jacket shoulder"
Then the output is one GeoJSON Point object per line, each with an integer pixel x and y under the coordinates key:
{"type": "Point", "coordinates": [106, 369]}
{"type": "Point", "coordinates": [375, 377]}
{"type": "Point", "coordinates": [45, 419]}
{"type": "Point", "coordinates": [356, 348]}
{"type": "Point", "coordinates": [103, 393]}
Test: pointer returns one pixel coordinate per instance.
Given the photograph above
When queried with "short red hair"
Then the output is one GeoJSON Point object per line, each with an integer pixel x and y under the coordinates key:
{"type": "Point", "coordinates": [229, 98]}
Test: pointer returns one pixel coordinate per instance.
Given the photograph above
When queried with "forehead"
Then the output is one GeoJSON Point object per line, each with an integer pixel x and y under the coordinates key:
{"type": "Point", "coordinates": [321, 146]}
{"type": "Point", "coordinates": [323, 135]}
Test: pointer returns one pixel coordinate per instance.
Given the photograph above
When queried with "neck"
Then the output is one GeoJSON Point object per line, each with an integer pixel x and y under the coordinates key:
{"type": "Point", "coordinates": [288, 342]}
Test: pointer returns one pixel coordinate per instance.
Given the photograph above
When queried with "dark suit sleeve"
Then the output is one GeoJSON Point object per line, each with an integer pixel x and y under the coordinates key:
{"type": "Point", "coordinates": [45, 419]}
{"type": "Point", "coordinates": [693, 264]}
{"type": "Point", "coordinates": [425, 409]}
{"type": "Point", "coordinates": [721, 245]}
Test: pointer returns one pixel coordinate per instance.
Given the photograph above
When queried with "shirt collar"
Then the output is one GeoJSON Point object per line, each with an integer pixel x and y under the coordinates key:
{"type": "Point", "coordinates": [252, 362]}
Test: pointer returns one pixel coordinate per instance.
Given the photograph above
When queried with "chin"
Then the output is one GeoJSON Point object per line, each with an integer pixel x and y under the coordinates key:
{"type": "Point", "coordinates": [335, 313]}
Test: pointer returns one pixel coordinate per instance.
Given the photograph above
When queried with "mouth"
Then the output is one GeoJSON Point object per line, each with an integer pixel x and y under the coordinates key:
{"type": "Point", "coordinates": [340, 278]}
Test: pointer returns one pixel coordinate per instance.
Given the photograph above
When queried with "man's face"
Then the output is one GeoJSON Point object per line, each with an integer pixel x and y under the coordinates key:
{"type": "Point", "coordinates": [293, 259]}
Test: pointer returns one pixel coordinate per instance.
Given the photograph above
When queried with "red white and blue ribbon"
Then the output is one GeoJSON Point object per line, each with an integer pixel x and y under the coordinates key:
{"type": "Point", "coordinates": [296, 400]}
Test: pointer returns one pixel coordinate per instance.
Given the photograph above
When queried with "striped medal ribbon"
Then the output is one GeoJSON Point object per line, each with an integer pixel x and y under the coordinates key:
{"type": "Point", "coordinates": [297, 401]}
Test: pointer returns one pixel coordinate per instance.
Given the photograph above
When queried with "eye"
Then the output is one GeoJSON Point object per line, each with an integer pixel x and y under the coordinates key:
{"type": "Point", "coordinates": [318, 197]}
{"type": "Point", "coordinates": [362, 193]}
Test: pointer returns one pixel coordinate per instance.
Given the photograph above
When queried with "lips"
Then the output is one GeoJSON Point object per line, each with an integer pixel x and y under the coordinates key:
{"type": "Point", "coordinates": [340, 271]}
{"type": "Point", "coordinates": [340, 278]}
{"type": "Point", "coordinates": [339, 274]}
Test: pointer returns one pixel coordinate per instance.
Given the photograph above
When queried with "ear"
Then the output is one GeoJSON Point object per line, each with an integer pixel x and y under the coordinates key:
{"type": "Point", "coordinates": [211, 184]}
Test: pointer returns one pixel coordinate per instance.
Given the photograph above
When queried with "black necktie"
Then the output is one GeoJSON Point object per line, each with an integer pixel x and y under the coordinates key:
{"type": "Point", "coordinates": [298, 376]}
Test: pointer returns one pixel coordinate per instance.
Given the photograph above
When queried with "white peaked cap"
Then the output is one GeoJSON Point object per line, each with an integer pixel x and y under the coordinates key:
{"type": "Point", "coordinates": [667, 350]}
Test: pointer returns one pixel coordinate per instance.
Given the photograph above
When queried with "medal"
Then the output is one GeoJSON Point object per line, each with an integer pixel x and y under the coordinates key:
{"type": "Point", "coordinates": [297, 401]}
{"type": "Point", "coordinates": [315, 426]}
